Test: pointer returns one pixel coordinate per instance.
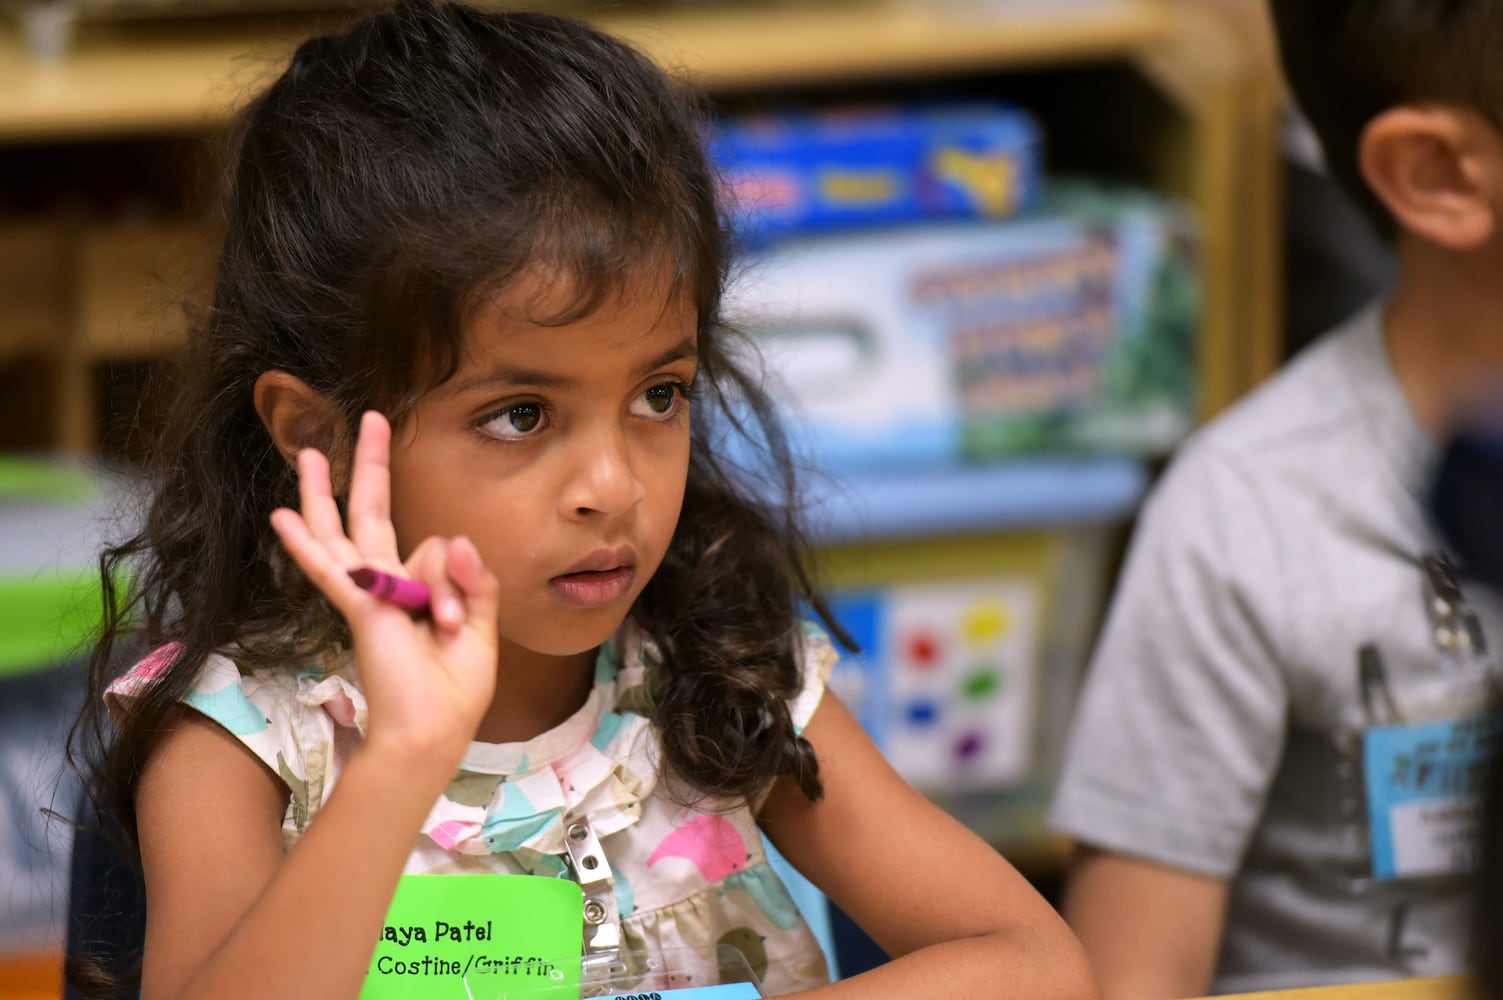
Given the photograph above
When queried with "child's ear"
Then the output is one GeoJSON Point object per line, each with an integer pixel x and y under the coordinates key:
{"type": "Point", "coordinates": [297, 416]}
{"type": "Point", "coordinates": [1437, 168]}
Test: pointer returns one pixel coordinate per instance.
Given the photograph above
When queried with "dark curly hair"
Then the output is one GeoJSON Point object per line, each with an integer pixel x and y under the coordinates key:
{"type": "Point", "coordinates": [1348, 61]}
{"type": "Point", "coordinates": [395, 173]}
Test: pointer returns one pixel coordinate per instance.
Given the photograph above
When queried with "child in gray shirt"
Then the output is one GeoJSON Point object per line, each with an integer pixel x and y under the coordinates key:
{"type": "Point", "coordinates": [1273, 770]}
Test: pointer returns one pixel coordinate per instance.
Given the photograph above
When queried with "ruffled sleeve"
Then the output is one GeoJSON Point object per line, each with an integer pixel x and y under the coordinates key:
{"type": "Point", "coordinates": [288, 719]}
{"type": "Point", "coordinates": [817, 657]}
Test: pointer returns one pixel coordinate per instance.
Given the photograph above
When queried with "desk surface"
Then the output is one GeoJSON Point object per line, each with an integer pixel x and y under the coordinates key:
{"type": "Point", "coordinates": [1437, 988]}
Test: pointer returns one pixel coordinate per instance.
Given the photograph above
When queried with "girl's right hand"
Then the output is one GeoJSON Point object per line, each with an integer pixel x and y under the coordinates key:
{"type": "Point", "coordinates": [427, 681]}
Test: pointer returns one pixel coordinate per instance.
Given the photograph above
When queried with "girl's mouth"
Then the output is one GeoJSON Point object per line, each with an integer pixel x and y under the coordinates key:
{"type": "Point", "coordinates": [593, 588]}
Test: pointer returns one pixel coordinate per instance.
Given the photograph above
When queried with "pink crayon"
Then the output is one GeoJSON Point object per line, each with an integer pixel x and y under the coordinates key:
{"type": "Point", "coordinates": [403, 593]}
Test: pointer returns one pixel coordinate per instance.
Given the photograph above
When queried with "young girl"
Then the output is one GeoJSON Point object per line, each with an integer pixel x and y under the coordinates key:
{"type": "Point", "coordinates": [465, 306]}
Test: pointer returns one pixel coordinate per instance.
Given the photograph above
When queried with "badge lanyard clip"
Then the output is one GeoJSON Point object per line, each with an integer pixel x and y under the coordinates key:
{"type": "Point", "coordinates": [1455, 627]}
{"type": "Point", "coordinates": [602, 918]}
{"type": "Point", "coordinates": [1378, 705]}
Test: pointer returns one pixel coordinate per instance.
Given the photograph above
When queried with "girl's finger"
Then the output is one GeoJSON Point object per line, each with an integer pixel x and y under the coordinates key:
{"type": "Point", "coordinates": [427, 565]}
{"type": "Point", "coordinates": [478, 584]}
{"type": "Point", "coordinates": [320, 512]}
{"type": "Point", "coordinates": [369, 507]}
{"type": "Point", "coordinates": [315, 560]}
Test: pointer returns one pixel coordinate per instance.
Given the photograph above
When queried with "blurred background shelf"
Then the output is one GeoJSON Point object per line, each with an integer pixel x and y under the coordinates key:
{"type": "Point", "coordinates": [1174, 91]}
{"type": "Point", "coordinates": [144, 76]}
{"type": "Point", "coordinates": [1021, 494]}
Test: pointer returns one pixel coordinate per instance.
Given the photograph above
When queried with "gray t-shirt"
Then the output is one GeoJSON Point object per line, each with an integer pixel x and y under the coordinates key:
{"type": "Point", "coordinates": [1216, 729]}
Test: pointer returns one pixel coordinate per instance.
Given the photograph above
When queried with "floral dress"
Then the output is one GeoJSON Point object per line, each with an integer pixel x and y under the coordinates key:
{"type": "Point", "coordinates": [686, 880]}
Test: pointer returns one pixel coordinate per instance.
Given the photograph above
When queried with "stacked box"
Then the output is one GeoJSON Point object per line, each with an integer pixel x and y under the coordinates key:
{"type": "Point", "coordinates": [810, 172]}
{"type": "Point", "coordinates": [1070, 330]}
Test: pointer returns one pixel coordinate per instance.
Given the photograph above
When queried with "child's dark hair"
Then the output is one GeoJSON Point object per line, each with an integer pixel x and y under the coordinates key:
{"type": "Point", "coordinates": [1347, 61]}
{"type": "Point", "coordinates": [394, 174]}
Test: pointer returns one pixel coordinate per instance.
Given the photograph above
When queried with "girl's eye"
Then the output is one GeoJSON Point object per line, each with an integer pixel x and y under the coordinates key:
{"type": "Point", "coordinates": [659, 401]}
{"type": "Point", "coordinates": [517, 421]}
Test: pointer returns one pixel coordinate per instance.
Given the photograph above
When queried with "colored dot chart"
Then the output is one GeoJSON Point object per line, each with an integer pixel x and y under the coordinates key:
{"type": "Point", "coordinates": [946, 678]}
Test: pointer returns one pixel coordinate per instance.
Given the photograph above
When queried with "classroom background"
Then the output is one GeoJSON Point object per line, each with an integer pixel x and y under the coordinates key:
{"type": "Point", "coordinates": [1000, 257]}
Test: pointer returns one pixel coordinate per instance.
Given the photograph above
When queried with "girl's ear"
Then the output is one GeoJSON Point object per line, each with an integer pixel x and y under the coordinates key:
{"type": "Point", "coordinates": [1437, 170]}
{"type": "Point", "coordinates": [297, 416]}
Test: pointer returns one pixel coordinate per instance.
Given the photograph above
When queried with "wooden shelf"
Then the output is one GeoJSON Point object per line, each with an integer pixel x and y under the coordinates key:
{"type": "Point", "coordinates": [1430, 988]}
{"type": "Point", "coordinates": [134, 285]}
{"type": "Point", "coordinates": [807, 43]}
{"type": "Point", "coordinates": [130, 78]}
{"type": "Point", "coordinates": [33, 285]}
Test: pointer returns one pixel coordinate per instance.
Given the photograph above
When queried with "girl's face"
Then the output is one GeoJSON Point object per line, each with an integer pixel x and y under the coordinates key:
{"type": "Point", "coordinates": [562, 452]}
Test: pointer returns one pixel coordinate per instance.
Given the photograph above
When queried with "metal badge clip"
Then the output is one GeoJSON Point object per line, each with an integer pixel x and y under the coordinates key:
{"type": "Point", "coordinates": [1455, 627]}
{"type": "Point", "coordinates": [1378, 705]}
{"type": "Point", "coordinates": [602, 919]}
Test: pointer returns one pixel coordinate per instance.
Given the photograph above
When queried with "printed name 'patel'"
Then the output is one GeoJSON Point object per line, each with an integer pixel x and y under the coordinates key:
{"type": "Point", "coordinates": [403, 935]}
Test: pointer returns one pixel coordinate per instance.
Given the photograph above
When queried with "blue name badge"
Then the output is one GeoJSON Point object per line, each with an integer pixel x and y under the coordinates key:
{"type": "Point", "coordinates": [1424, 794]}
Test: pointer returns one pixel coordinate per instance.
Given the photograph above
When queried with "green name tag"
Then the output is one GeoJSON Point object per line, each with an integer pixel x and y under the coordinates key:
{"type": "Point", "coordinates": [441, 928]}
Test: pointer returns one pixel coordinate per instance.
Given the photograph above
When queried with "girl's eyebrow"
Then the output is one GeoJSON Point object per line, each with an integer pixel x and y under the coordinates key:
{"type": "Point", "coordinates": [685, 349]}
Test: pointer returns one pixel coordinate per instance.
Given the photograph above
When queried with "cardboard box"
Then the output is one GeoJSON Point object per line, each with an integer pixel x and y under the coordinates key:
{"type": "Point", "coordinates": [1070, 330]}
{"type": "Point", "coordinates": [806, 172]}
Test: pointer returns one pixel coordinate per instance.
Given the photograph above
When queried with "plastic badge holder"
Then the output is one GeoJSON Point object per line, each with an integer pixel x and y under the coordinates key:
{"type": "Point", "coordinates": [628, 975]}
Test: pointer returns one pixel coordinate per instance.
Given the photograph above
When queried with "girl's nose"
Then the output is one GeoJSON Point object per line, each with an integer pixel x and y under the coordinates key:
{"type": "Point", "coordinates": [603, 481]}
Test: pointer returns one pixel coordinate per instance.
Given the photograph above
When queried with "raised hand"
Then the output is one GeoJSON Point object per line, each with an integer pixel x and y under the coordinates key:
{"type": "Point", "coordinates": [427, 681]}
